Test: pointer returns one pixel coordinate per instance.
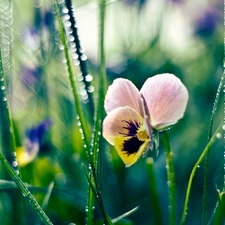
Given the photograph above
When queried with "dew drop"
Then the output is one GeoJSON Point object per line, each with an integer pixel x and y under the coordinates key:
{"type": "Point", "coordinates": [219, 135]}
{"type": "Point", "coordinates": [72, 38]}
{"type": "Point", "coordinates": [88, 78]}
{"type": "Point", "coordinates": [14, 163]}
{"type": "Point", "coordinates": [2, 79]}
{"type": "Point", "coordinates": [198, 166]}
{"type": "Point", "coordinates": [61, 47]}
{"type": "Point", "coordinates": [65, 10]}
{"type": "Point", "coordinates": [83, 57]}
{"type": "Point", "coordinates": [2, 87]}
{"type": "Point", "coordinates": [72, 44]}
{"type": "Point", "coordinates": [75, 56]}
{"type": "Point", "coordinates": [91, 89]}
{"type": "Point", "coordinates": [223, 127]}
{"type": "Point", "coordinates": [67, 24]}
{"type": "Point", "coordinates": [66, 17]}
{"type": "Point", "coordinates": [4, 99]}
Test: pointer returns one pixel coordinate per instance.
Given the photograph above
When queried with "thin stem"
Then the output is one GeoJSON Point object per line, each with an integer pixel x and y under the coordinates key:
{"type": "Point", "coordinates": [99, 112]}
{"type": "Point", "coordinates": [79, 51]}
{"type": "Point", "coordinates": [205, 186]}
{"type": "Point", "coordinates": [71, 78]}
{"type": "Point", "coordinates": [8, 137]}
{"type": "Point", "coordinates": [171, 181]}
{"type": "Point", "coordinates": [208, 146]}
{"type": "Point", "coordinates": [153, 191]}
{"type": "Point", "coordinates": [25, 192]}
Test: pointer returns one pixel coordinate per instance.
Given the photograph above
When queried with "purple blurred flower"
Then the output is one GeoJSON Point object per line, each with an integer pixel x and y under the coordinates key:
{"type": "Point", "coordinates": [36, 134]}
{"type": "Point", "coordinates": [31, 75]}
{"type": "Point", "coordinates": [33, 142]}
{"type": "Point", "coordinates": [206, 22]}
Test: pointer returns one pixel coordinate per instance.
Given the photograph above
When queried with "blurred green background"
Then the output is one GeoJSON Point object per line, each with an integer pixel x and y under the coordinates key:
{"type": "Point", "coordinates": [142, 38]}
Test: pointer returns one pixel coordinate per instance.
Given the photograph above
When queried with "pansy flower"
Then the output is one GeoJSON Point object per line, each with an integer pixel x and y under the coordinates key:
{"type": "Point", "coordinates": [133, 115]}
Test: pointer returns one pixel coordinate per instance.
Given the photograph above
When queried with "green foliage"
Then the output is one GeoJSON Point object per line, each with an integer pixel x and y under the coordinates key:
{"type": "Point", "coordinates": [55, 108]}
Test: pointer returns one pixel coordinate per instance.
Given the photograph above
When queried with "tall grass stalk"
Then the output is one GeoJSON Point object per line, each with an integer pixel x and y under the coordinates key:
{"type": "Point", "coordinates": [202, 156]}
{"type": "Point", "coordinates": [80, 54]}
{"type": "Point", "coordinates": [71, 77]}
{"type": "Point", "coordinates": [153, 191]}
{"type": "Point", "coordinates": [99, 112]}
{"type": "Point", "coordinates": [171, 181]}
{"type": "Point", "coordinates": [205, 187]}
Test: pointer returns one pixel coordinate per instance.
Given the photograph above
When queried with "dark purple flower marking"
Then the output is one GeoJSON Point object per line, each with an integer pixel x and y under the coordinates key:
{"type": "Point", "coordinates": [132, 127]}
{"type": "Point", "coordinates": [131, 146]}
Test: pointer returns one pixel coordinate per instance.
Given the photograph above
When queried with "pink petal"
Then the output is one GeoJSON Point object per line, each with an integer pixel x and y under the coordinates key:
{"type": "Point", "coordinates": [115, 123]}
{"type": "Point", "coordinates": [166, 99]}
{"type": "Point", "coordinates": [122, 93]}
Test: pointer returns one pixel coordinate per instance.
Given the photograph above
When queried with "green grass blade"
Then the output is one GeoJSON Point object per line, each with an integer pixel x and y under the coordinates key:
{"type": "Point", "coordinates": [80, 54]}
{"type": "Point", "coordinates": [99, 113]}
{"type": "Point", "coordinates": [204, 208]}
{"type": "Point", "coordinates": [7, 130]}
{"type": "Point", "coordinates": [202, 156]}
{"type": "Point", "coordinates": [98, 199]}
{"type": "Point", "coordinates": [25, 192]}
{"type": "Point", "coordinates": [115, 220]}
{"type": "Point", "coordinates": [71, 78]}
{"type": "Point", "coordinates": [153, 191]}
{"type": "Point", "coordinates": [46, 200]}
{"type": "Point", "coordinates": [171, 181]}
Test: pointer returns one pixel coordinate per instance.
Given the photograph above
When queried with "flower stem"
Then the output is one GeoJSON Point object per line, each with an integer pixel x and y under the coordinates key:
{"type": "Point", "coordinates": [153, 191]}
{"type": "Point", "coordinates": [99, 111]}
{"type": "Point", "coordinates": [171, 181]}
{"type": "Point", "coordinates": [208, 146]}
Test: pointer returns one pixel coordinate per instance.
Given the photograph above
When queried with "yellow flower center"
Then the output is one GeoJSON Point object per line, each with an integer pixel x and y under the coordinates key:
{"type": "Point", "coordinates": [142, 135]}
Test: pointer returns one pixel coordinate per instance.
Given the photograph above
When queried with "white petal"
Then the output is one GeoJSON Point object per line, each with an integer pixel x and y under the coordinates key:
{"type": "Point", "coordinates": [166, 99]}
{"type": "Point", "coordinates": [122, 93]}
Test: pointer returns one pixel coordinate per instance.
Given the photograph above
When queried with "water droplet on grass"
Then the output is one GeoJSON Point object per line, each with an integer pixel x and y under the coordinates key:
{"type": "Point", "coordinates": [4, 99]}
{"type": "Point", "coordinates": [219, 135]}
{"type": "Point", "coordinates": [65, 10]}
{"type": "Point", "coordinates": [88, 78]}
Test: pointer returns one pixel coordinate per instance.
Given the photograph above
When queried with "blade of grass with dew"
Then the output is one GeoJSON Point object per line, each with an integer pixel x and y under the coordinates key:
{"type": "Point", "coordinates": [25, 192]}
{"type": "Point", "coordinates": [115, 220]}
{"type": "Point", "coordinates": [7, 130]}
{"type": "Point", "coordinates": [10, 140]}
{"type": "Point", "coordinates": [202, 156]}
{"type": "Point", "coordinates": [218, 214]}
{"type": "Point", "coordinates": [171, 181]}
{"type": "Point", "coordinates": [81, 57]}
{"type": "Point", "coordinates": [98, 199]}
{"type": "Point", "coordinates": [153, 191]}
{"type": "Point", "coordinates": [46, 200]}
{"type": "Point", "coordinates": [205, 186]}
{"type": "Point", "coordinates": [71, 79]}
{"type": "Point", "coordinates": [99, 113]}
